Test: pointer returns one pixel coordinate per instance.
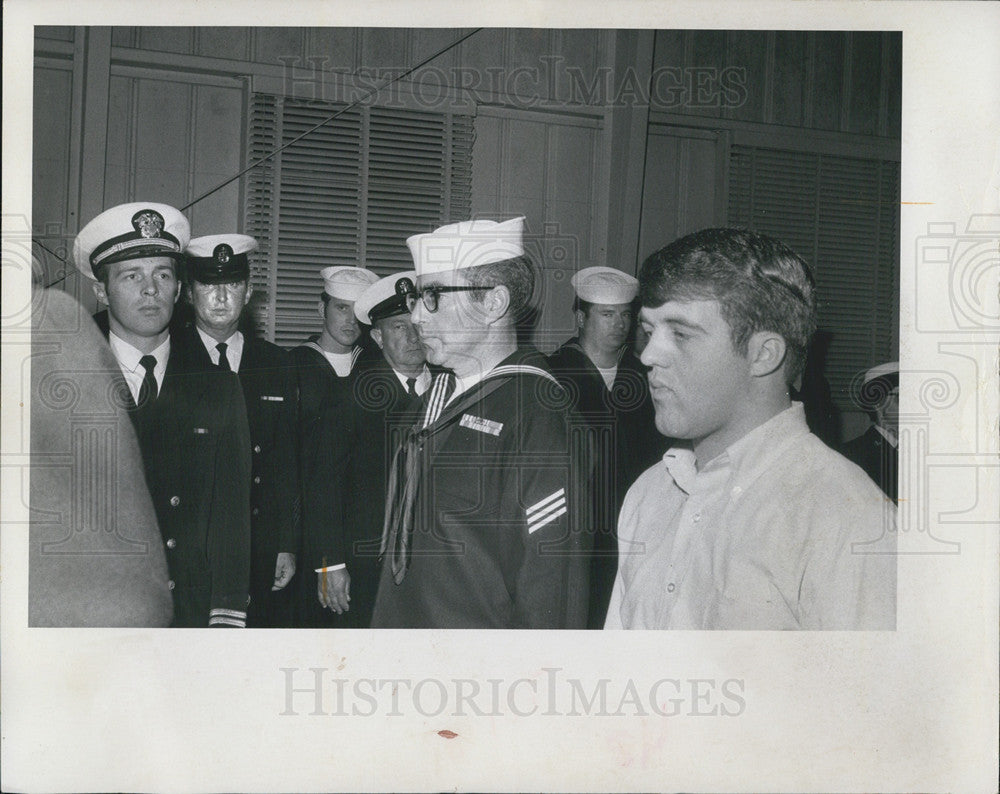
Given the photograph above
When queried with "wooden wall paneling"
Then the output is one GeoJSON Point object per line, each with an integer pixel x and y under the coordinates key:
{"type": "Point", "coordinates": [223, 42]}
{"type": "Point", "coordinates": [748, 50]}
{"type": "Point", "coordinates": [583, 51]}
{"type": "Point", "coordinates": [704, 49]}
{"type": "Point", "coordinates": [486, 184]}
{"type": "Point", "coordinates": [120, 151]}
{"type": "Point", "coordinates": [789, 80]}
{"type": "Point", "coordinates": [866, 82]}
{"type": "Point", "coordinates": [167, 39]}
{"type": "Point", "coordinates": [218, 132]}
{"type": "Point", "coordinates": [526, 72]}
{"type": "Point", "coordinates": [424, 42]}
{"type": "Point", "coordinates": [523, 171]}
{"type": "Point", "coordinates": [277, 45]}
{"type": "Point", "coordinates": [337, 49]}
{"type": "Point", "coordinates": [482, 60]}
{"type": "Point", "coordinates": [55, 32]}
{"type": "Point", "coordinates": [384, 48]}
{"type": "Point", "coordinates": [827, 89]}
{"type": "Point", "coordinates": [625, 142]}
{"type": "Point", "coordinates": [162, 142]}
{"type": "Point", "coordinates": [124, 36]}
{"type": "Point", "coordinates": [680, 185]}
{"type": "Point", "coordinates": [52, 139]}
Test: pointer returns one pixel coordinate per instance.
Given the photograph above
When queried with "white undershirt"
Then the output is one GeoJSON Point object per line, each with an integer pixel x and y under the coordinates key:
{"type": "Point", "coordinates": [609, 375]}
{"type": "Point", "coordinates": [341, 362]}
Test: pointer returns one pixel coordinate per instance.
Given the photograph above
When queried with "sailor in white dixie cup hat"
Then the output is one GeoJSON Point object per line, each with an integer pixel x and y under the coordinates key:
{"type": "Point", "coordinates": [385, 393]}
{"type": "Point", "coordinates": [498, 541]}
{"type": "Point", "coordinates": [608, 387]}
{"type": "Point", "coordinates": [218, 273]}
{"type": "Point", "coordinates": [323, 367]}
{"type": "Point", "coordinates": [191, 423]}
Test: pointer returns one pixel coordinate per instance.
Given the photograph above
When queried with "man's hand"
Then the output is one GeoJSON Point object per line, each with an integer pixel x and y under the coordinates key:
{"type": "Point", "coordinates": [333, 589]}
{"type": "Point", "coordinates": [284, 570]}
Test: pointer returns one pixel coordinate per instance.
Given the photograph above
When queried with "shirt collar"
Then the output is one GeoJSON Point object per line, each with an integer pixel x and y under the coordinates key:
{"type": "Point", "coordinates": [893, 440]}
{"type": "Point", "coordinates": [423, 379]}
{"type": "Point", "coordinates": [129, 356]}
{"type": "Point", "coordinates": [234, 347]}
{"type": "Point", "coordinates": [747, 457]}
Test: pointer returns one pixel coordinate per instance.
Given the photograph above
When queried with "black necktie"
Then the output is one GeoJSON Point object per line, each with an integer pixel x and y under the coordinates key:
{"type": "Point", "coordinates": [411, 387]}
{"type": "Point", "coordinates": [148, 389]}
{"type": "Point", "coordinates": [223, 361]}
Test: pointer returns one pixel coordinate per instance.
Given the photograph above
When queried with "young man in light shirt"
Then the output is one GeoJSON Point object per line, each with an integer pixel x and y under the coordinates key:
{"type": "Point", "coordinates": [752, 522]}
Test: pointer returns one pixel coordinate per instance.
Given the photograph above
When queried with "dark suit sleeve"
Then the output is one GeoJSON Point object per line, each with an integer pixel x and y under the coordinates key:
{"type": "Point", "coordinates": [229, 520]}
{"type": "Point", "coordinates": [552, 582]}
{"type": "Point", "coordinates": [326, 450]}
{"type": "Point", "coordinates": [289, 529]}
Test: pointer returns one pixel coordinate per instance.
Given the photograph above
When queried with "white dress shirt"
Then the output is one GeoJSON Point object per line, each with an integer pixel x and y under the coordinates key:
{"type": "Point", "coordinates": [128, 361]}
{"type": "Point", "coordinates": [777, 532]}
{"type": "Point", "coordinates": [423, 380]}
{"type": "Point", "coordinates": [234, 349]}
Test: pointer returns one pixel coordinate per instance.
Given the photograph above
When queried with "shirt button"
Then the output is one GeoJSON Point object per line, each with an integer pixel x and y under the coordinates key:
{"type": "Point", "coordinates": [171, 585]}
{"type": "Point", "coordinates": [174, 501]}
{"type": "Point", "coordinates": [256, 480]}
{"type": "Point", "coordinates": [171, 543]}
{"type": "Point", "coordinates": [671, 587]}
{"type": "Point", "coordinates": [256, 448]}
{"type": "Point", "coordinates": [696, 518]}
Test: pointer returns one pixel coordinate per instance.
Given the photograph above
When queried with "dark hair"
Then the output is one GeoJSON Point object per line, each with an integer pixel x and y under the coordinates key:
{"type": "Point", "coordinates": [325, 298]}
{"type": "Point", "coordinates": [517, 275]}
{"type": "Point", "coordinates": [580, 305]}
{"type": "Point", "coordinates": [102, 271]}
{"type": "Point", "coordinates": [760, 283]}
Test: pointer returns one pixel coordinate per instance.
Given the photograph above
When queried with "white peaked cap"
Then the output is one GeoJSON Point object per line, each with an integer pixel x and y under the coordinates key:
{"type": "Point", "coordinates": [130, 231]}
{"type": "Point", "coordinates": [605, 285]}
{"type": "Point", "coordinates": [346, 283]}
{"type": "Point", "coordinates": [467, 244]}
{"type": "Point", "coordinates": [382, 299]}
{"type": "Point", "coordinates": [891, 368]}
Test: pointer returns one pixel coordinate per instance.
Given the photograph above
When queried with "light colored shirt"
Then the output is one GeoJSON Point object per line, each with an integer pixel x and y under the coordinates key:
{"type": "Point", "coordinates": [128, 361]}
{"type": "Point", "coordinates": [234, 349]}
{"type": "Point", "coordinates": [774, 533]}
{"type": "Point", "coordinates": [341, 362]}
{"type": "Point", "coordinates": [423, 380]}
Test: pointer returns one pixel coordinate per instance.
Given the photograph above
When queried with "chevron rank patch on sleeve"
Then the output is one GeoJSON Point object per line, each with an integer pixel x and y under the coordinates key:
{"type": "Point", "coordinates": [546, 511]}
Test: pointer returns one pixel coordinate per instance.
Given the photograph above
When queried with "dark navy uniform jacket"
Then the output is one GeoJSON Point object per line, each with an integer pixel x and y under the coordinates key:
{"type": "Point", "coordinates": [269, 391]}
{"type": "Point", "coordinates": [195, 444]}
{"type": "Point", "coordinates": [877, 457]}
{"type": "Point", "coordinates": [500, 530]}
{"type": "Point", "coordinates": [627, 444]}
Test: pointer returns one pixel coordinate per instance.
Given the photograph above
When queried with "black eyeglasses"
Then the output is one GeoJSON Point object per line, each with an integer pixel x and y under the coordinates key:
{"type": "Point", "coordinates": [429, 295]}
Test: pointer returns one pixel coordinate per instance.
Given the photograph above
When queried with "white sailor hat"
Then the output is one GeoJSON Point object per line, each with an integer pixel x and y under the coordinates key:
{"type": "Point", "coordinates": [466, 244]}
{"type": "Point", "coordinates": [130, 231]}
{"type": "Point", "coordinates": [882, 371]}
{"type": "Point", "coordinates": [219, 258]}
{"type": "Point", "coordinates": [605, 285]}
{"type": "Point", "coordinates": [346, 283]}
{"type": "Point", "coordinates": [385, 298]}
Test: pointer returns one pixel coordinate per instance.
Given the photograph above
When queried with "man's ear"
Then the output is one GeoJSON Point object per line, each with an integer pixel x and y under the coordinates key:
{"type": "Point", "coordinates": [581, 318]}
{"type": "Point", "coordinates": [246, 300]}
{"type": "Point", "coordinates": [99, 292]}
{"type": "Point", "coordinates": [377, 336]}
{"type": "Point", "coordinates": [766, 352]}
{"type": "Point", "coordinates": [321, 309]}
{"type": "Point", "coordinates": [496, 302]}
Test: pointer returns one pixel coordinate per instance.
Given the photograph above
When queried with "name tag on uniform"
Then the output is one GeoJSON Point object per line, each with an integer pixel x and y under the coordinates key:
{"type": "Point", "coordinates": [273, 398]}
{"type": "Point", "coordinates": [480, 424]}
{"type": "Point", "coordinates": [201, 431]}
